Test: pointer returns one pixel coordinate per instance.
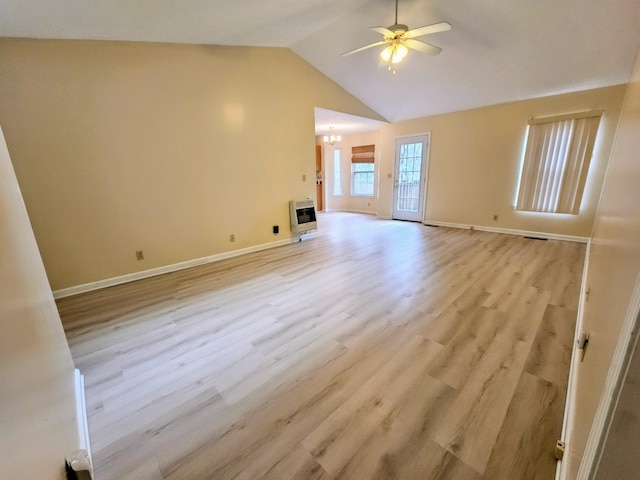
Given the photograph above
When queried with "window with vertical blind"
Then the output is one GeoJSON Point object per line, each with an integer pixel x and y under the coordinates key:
{"type": "Point", "coordinates": [362, 170]}
{"type": "Point", "coordinates": [556, 160]}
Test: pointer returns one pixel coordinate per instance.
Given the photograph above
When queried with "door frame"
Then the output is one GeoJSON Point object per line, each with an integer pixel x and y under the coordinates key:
{"type": "Point", "coordinates": [426, 171]}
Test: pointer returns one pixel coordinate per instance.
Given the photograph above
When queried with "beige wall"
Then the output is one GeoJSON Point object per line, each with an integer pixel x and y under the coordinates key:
{"type": "Point", "coordinates": [614, 268]}
{"type": "Point", "coordinates": [475, 159]}
{"type": "Point", "coordinates": [171, 148]}
{"type": "Point", "coordinates": [37, 406]}
{"type": "Point", "coordinates": [348, 202]}
{"type": "Point", "coordinates": [166, 148]}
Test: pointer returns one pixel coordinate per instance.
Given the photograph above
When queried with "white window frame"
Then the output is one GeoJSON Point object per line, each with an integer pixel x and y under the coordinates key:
{"type": "Point", "coordinates": [354, 173]}
{"type": "Point", "coordinates": [555, 163]}
{"type": "Point", "coordinates": [337, 173]}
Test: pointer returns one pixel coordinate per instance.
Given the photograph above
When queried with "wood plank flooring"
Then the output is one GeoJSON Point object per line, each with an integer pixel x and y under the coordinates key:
{"type": "Point", "coordinates": [373, 350]}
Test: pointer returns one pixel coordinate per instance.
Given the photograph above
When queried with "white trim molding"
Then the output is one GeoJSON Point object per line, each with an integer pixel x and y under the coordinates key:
{"type": "Point", "coordinates": [81, 411]}
{"type": "Point", "coordinates": [612, 387]}
{"type": "Point", "coordinates": [510, 231]}
{"type": "Point", "coordinates": [571, 399]}
{"type": "Point", "coordinates": [80, 459]}
{"type": "Point", "coordinates": [130, 277]}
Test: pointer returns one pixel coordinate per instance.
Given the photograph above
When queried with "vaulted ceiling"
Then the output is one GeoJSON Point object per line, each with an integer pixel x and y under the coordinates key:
{"type": "Point", "coordinates": [498, 50]}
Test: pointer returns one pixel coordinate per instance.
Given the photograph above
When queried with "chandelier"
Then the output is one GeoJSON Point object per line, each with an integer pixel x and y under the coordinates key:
{"type": "Point", "coordinates": [331, 139]}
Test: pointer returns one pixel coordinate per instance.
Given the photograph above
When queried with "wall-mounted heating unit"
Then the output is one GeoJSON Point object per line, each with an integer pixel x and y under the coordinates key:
{"type": "Point", "coordinates": [303, 216]}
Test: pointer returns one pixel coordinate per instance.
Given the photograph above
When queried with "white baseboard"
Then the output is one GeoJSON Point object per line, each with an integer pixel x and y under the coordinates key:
{"type": "Point", "coordinates": [510, 231]}
{"type": "Point", "coordinates": [109, 282]}
{"type": "Point", "coordinates": [612, 388]}
{"type": "Point", "coordinates": [366, 212]}
{"type": "Point", "coordinates": [130, 277]}
{"type": "Point", "coordinates": [352, 210]}
{"type": "Point", "coordinates": [81, 413]}
{"type": "Point", "coordinates": [80, 459]}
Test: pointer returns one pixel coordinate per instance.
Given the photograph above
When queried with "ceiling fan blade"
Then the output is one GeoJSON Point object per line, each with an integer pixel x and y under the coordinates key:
{"type": "Point", "coordinates": [385, 32]}
{"type": "Point", "coordinates": [422, 46]}
{"type": "Point", "coordinates": [381, 42]}
{"type": "Point", "coordinates": [427, 29]}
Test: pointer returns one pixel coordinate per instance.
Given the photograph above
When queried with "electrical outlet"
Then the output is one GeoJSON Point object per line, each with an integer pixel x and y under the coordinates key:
{"type": "Point", "coordinates": [495, 217]}
{"type": "Point", "coordinates": [139, 255]}
{"type": "Point", "coordinates": [232, 238]}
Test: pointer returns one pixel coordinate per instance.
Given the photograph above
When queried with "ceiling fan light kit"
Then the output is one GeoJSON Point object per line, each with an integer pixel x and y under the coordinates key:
{"type": "Point", "coordinates": [394, 52]}
{"type": "Point", "coordinates": [399, 39]}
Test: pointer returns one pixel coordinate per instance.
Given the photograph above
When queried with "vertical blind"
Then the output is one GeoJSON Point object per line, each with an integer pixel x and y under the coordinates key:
{"type": "Point", "coordinates": [556, 162]}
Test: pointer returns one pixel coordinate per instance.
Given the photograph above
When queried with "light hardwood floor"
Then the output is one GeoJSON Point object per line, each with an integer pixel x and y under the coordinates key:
{"type": "Point", "coordinates": [374, 350]}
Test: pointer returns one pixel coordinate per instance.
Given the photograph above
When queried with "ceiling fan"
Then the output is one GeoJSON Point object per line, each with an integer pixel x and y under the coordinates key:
{"type": "Point", "coordinates": [399, 39]}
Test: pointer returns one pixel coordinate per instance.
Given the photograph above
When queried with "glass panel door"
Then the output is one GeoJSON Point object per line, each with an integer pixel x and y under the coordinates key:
{"type": "Point", "coordinates": [411, 176]}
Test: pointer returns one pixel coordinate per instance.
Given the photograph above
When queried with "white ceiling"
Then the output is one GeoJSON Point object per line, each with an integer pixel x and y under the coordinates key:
{"type": "Point", "coordinates": [498, 50]}
{"type": "Point", "coordinates": [329, 122]}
